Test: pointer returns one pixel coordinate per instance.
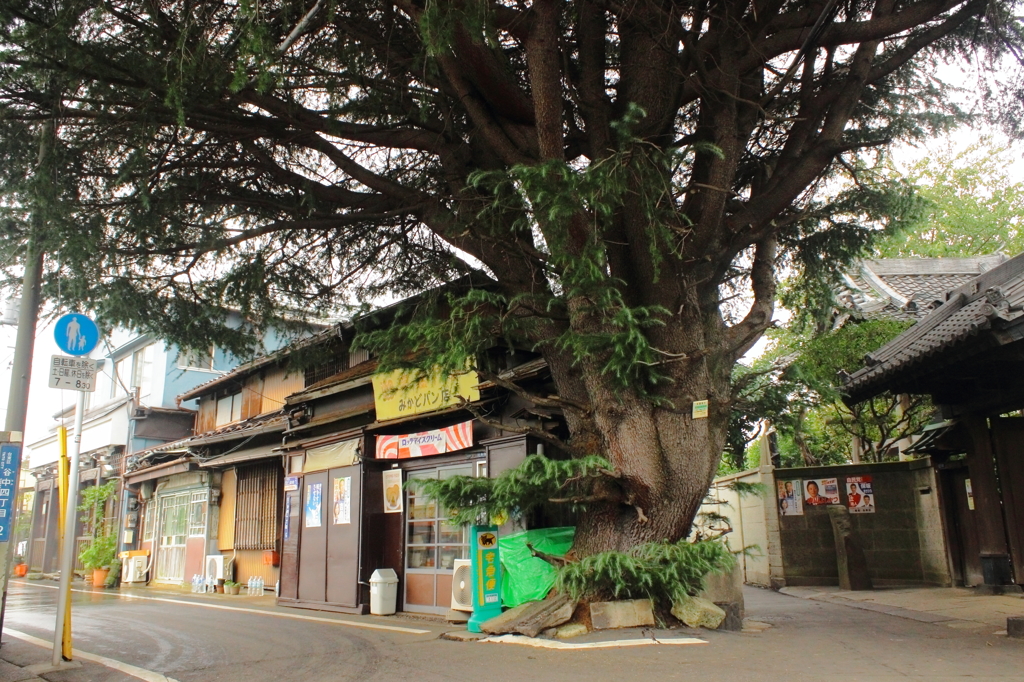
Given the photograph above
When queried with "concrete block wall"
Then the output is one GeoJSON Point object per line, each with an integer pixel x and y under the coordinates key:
{"type": "Point", "coordinates": [903, 539]}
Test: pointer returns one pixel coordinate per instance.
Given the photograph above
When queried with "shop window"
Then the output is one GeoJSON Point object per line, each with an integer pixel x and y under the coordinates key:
{"type": "Point", "coordinates": [197, 514]}
{"type": "Point", "coordinates": [432, 543]}
{"type": "Point", "coordinates": [256, 506]}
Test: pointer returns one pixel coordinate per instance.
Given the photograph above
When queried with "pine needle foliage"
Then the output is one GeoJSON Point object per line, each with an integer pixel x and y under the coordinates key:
{"type": "Point", "coordinates": [537, 481]}
{"type": "Point", "coordinates": [664, 572]}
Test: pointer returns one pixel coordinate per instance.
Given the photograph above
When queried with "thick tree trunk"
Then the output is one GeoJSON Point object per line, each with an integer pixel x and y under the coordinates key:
{"type": "Point", "coordinates": [663, 457]}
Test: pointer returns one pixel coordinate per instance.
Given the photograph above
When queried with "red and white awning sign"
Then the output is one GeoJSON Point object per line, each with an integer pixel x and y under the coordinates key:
{"type": "Point", "coordinates": [424, 443]}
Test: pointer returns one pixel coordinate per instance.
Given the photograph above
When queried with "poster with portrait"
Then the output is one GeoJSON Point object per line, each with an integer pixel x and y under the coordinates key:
{"type": "Point", "coordinates": [393, 499]}
{"type": "Point", "coordinates": [790, 501]}
{"type": "Point", "coordinates": [342, 500]}
{"type": "Point", "coordinates": [314, 505]}
{"type": "Point", "coordinates": [821, 491]}
{"type": "Point", "coordinates": [860, 496]}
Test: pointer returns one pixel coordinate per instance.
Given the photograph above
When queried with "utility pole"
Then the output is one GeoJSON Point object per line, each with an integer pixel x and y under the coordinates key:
{"type": "Point", "coordinates": [17, 401]}
{"type": "Point", "coordinates": [28, 317]}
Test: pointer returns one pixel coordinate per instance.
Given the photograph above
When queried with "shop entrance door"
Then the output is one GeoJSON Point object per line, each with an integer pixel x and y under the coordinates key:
{"type": "Point", "coordinates": [431, 546]}
{"type": "Point", "coordinates": [170, 558]}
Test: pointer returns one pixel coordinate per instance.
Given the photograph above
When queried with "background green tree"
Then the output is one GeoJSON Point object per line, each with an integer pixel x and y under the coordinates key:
{"type": "Point", "coordinates": [801, 395]}
{"type": "Point", "coordinates": [973, 204]}
{"type": "Point", "coordinates": [631, 177]}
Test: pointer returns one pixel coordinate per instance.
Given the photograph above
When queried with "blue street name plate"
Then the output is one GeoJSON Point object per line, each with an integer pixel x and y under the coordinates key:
{"type": "Point", "coordinates": [10, 466]}
{"type": "Point", "coordinates": [76, 334]}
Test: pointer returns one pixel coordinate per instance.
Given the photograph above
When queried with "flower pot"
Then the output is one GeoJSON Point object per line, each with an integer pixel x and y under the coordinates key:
{"type": "Point", "coordinates": [20, 570]}
{"type": "Point", "coordinates": [219, 589]}
{"type": "Point", "coordinates": [99, 576]}
{"type": "Point", "coordinates": [232, 589]}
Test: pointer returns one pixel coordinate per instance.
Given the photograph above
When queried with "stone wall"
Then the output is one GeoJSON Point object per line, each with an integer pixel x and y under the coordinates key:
{"type": "Point", "coordinates": [903, 539]}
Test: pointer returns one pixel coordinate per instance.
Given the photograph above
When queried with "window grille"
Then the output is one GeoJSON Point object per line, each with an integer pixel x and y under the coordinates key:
{"type": "Point", "coordinates": [256, 506]}
{"type": "Point", "coordinates": [338, 362]}
{"type": "Point", "coordinates": [197, 514]}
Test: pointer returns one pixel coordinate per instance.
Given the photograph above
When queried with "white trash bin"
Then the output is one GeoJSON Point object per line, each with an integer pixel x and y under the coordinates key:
{"type": "Point", "coordinates": [383, 592]}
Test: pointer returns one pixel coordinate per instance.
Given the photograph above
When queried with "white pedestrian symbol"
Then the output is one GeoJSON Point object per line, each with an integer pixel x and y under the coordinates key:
{"type": "Point", "coordinates": [75, 339]}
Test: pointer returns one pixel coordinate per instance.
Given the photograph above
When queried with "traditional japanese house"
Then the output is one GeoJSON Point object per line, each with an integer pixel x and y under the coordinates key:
{"type": "Point", "coordinates": [968, 354]}
{"type": "Point", "coordinates": [355, 438]}
{"type": "Point", "coordinates": [217, 493]}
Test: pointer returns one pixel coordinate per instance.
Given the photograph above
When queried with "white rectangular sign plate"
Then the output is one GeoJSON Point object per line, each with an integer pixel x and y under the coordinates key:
{"type": "Point", "coordinates": [73, 374]}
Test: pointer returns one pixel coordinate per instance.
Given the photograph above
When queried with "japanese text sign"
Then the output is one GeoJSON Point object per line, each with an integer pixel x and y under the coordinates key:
{"type": "Point", "coordinates": [402, 393]}
{"type": "Point", "coordinates": [10, 465]}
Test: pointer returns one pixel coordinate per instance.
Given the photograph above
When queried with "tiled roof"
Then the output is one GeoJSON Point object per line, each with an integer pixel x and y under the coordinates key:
{"type": "Point", "coordinates": [264, 423]}
{"type": "Point", "coordinates": [991, 301]}
{"type": "Point", "coordinates": [246, 368]}
{"type": "Point", "coordinates": [906, 288]}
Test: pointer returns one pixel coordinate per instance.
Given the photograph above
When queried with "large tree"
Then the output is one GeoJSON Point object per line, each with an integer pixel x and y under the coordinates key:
{"type": "Point", "coordinates": [631, 175]}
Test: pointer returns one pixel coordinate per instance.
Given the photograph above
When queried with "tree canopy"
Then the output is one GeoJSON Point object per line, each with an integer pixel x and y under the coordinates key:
{"type": "Point", "coordinates": [973, 204]}
{"type": "Point", "coordinates": [631, 176]}
{"type": "Point", "coordinates": [796, 385]}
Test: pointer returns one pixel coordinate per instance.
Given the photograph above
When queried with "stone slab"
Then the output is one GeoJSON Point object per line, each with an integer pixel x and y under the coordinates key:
{"type": "Point", "coordinates": [1015, 626]}
{"type": "Point", "coordinates": [570, 630]}
{"type": "Point", "coordinates": [698, 612]}
{"type": "Point", "coordinates": [628, 613]}
{"type": "Point", "coordinates": [733, 616]}
{"type": "Point", "coordinates": [12, 673]}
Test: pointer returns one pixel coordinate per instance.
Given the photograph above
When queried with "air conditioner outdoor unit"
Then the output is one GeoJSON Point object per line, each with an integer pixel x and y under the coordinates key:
{"type": "Point", "coordinates": [134, 568]}
{"type": "Point", "coordinates": [218, 567]}
{"type": "Point", "coordinates": [462, 586]}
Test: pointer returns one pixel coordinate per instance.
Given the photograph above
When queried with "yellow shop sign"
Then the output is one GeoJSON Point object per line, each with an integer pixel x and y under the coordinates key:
{"type": "Point", "coordinates": [405, 392]}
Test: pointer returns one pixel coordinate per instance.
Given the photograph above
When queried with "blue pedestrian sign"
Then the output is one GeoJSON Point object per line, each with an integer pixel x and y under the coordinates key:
{"type": "Point", "coordinates": [10, 467]}
{"type": "Point", "coordinates": [76, 334]}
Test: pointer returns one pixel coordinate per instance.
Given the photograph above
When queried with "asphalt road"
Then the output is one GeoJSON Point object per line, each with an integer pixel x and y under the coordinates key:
{"type": "Point", "coordinates": [809, 641]}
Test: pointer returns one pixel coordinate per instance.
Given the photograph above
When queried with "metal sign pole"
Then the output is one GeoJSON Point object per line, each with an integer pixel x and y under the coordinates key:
{"type": "Point", "coordinates": [67, 559]}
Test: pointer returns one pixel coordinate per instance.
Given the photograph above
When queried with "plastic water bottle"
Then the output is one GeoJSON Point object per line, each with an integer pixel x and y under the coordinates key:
{"type": "Point", "coordinates": [249, 586]}
{"type": "Point", "coordinates": [259, 587]}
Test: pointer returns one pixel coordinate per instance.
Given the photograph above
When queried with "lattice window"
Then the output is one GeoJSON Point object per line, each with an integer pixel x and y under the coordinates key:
{"type": "Point", "coordinates": [256, 506]}
{"type": "Point", "coordinates": [338, 362]}
{"type": "Point", "coordinates": [197, 513]}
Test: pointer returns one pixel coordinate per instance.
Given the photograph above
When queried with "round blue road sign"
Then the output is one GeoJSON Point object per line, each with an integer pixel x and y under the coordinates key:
{"type": "Point", "coordinates": [76, 334]}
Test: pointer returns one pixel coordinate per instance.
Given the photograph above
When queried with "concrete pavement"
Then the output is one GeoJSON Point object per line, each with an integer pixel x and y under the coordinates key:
{"type": "Point", "coordinates": [954, 607]}
{"type": "Point", "coordinates": [187, 641]}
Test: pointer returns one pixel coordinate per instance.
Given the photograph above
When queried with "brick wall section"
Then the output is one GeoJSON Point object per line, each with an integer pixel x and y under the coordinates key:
{"type": "Point", "coordinates": [903, 540]}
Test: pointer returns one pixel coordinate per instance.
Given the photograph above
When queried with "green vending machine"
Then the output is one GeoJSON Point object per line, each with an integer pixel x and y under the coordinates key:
{"type": "Point", "coordinates": [486, 569]}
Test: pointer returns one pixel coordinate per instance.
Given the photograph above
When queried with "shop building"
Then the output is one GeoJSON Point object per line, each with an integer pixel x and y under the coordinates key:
{"type": "Point", "coordinates": [133, 407]}
{"type": "Point", "coordinates": [353, 442]}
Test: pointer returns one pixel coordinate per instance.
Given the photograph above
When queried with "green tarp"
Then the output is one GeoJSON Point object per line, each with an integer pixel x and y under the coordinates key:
{"type": "Point", "coordinates": [527, 578]}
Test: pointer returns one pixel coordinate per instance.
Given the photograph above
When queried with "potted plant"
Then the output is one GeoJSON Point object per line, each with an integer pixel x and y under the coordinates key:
{"type": "Point", "coordinates": [20, 567]}
{"type": "Point", "coordinates": [98, 557]}
{"type": "Point", "coordinates": [231, 587]}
